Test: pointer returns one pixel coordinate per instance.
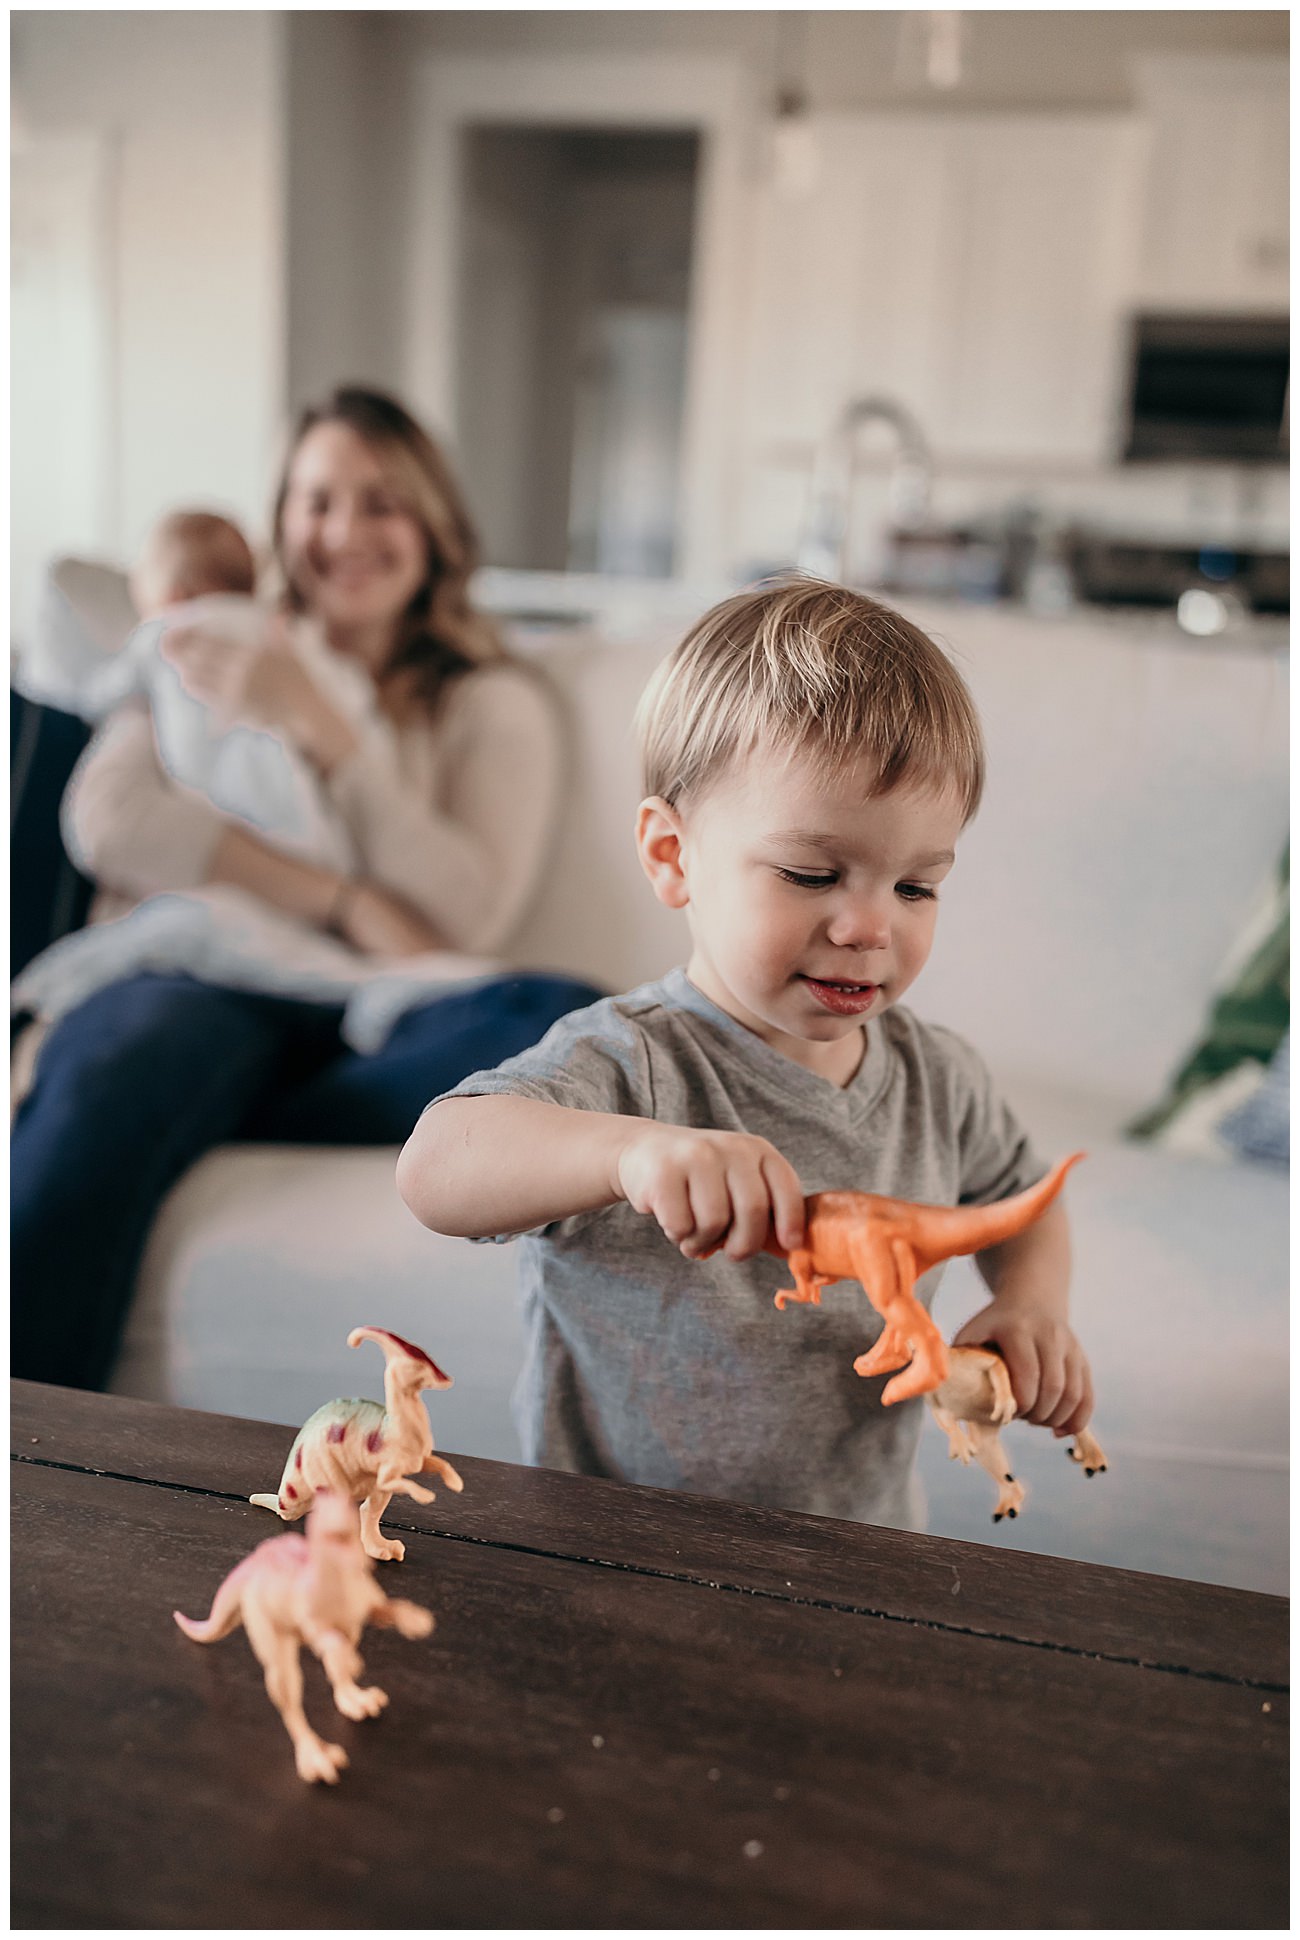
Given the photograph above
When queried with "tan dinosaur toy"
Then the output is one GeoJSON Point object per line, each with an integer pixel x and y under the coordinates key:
{"type": "Point", "coordinates": [365, 1451]}
{"type": "Point", "coordinates": [319, 1590]}
{"type": "Point", "coordinates": [886, 1245]}
{"type": "Point", "coordinates": [973, 1403]}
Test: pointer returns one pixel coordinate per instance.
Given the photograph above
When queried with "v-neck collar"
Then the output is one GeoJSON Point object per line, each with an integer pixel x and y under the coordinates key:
{"type": "Point", "coordinates": [859, 1094]}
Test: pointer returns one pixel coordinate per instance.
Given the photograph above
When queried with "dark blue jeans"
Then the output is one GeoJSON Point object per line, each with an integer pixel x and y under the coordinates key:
{"type": "Point", "coordinates": [145, 1077]}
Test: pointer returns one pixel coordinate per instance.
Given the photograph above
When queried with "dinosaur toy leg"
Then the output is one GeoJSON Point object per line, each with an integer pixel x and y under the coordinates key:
{"type": "Point", "coordinates": [400, 1614]}
{"type": "Point", "coordinates": [343, 1666]}
{"type": "Point", "coordinates": [277, 1652]}
{"type": "Point", "coordinates": [890, 1351]}
{"type": "Point", "coordinates": [808, 1282]}
{"type": "Point", "coordinates": [887, 1272]}
{"type": "Point", "coordinates": [402, 1485]}
{"type": "Point", "coordinates": [434, 1465]}
{"type": "Point", "coordinates": [991, 1455]}
{"type": "Point", "coordinates": [384, 1549]}
{"type": "Point", "coordinates": [1087, 1453]}
{"type": "Point", "coordinates": [959, 1443]}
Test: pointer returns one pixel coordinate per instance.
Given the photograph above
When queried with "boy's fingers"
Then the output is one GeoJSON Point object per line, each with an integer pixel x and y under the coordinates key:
{"type": "Point", "coordinates": [1081, 1415]}
{"type": "Point", "coordinates": [751, 1215]}
{"type": "Point", "coordinates": [1051, 1385]}
{"type": "Point", "coordinates": [710, 1207]}
{"type": "Point", "coordinates": [787, 1200]}
{"type": "Point", "coordinates": [1068, 1405]}
{"type": "Point", "coordinates": [1079, 1419]}
{"type": "Point", "coordinates": [1022, 1366]}
{"type": "Point", "coordinates": [671, 1206]}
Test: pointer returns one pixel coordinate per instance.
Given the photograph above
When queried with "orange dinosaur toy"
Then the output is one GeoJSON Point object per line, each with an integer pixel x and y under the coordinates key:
{"type": "Point", "coordinates": [887, 1244]}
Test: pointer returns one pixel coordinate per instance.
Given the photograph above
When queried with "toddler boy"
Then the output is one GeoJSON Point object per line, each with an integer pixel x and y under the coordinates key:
{"type": "Point", "coordinates": [810, 760]}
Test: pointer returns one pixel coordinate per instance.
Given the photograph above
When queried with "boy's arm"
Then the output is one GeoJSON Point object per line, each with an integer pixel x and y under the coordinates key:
{"type": "Point", "coordinates": [1027, 1320]}
{"type": "Point", "coordinates": [496, 1164]}
{"type": "Point", "coordinates": [477, 1167]}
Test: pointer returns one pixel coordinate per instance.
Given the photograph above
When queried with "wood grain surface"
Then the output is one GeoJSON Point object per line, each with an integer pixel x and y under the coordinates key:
{"type": "Point", "coordinates": [627, 1716]}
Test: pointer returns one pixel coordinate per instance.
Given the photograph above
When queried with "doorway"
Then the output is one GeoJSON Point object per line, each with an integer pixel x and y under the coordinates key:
{"type": "Point", "coordinates": [574, 294]}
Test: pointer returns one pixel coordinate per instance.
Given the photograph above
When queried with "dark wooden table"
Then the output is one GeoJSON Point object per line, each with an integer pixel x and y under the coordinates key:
{"type": "Point", "coordinates": [637, 1710]}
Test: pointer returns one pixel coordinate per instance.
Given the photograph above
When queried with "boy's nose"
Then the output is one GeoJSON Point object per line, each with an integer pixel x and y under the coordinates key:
{"type": "Point", "coordinates": [860, 926]}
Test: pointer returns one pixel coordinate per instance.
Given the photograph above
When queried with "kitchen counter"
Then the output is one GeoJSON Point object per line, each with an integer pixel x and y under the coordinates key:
{"type": "Point", "coordinates": [639, 608]}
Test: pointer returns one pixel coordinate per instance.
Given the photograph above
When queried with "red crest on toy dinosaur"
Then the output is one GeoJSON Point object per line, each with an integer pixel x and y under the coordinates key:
{"type": "Point", "coordinates": [393, 1346]}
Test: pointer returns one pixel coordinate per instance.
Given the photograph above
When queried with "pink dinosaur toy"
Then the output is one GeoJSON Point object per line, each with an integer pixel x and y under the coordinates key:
{"type": "Point", "coordinates": [364, 1451]}
{"type": "Point", "coordinates": [317, 1590]}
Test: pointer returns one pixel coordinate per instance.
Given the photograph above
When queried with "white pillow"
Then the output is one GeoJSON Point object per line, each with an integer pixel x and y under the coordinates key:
{"type": "Point", "coordinates": [85, 615]}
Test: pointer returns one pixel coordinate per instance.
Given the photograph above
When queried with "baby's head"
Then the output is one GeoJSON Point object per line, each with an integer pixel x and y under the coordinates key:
{"type": "Point", "coordinates": [810, 758]}
{"type": "Point", "coordinates": [188, 555]}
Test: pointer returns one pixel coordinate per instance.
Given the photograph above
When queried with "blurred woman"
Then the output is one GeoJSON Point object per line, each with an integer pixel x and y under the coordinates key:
{"type": "Point", "coordinates": [449, 792]}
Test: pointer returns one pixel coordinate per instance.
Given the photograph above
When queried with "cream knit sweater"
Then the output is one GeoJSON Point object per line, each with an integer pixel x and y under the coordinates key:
{"type": "Point", "coordinates": [456, 822]}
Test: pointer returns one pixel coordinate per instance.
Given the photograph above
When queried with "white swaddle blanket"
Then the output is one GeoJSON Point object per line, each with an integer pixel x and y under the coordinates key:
{"type": "Point", "coordinates": [222, 935]}
{"type": "Point", "coordinates": [246, 772]}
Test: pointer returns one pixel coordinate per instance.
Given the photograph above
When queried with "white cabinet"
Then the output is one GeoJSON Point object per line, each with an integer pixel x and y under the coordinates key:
{"type": "Point", "coordinates": [1215, 203]}
{"type": "Point", "coordinates": [973, 267]}
{"type": "Point", "coordinates": [1040, 221]}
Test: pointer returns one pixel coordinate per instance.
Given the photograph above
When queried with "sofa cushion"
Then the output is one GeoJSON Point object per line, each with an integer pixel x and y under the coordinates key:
{"type": "Point", "coordinates": [1261, 1127]}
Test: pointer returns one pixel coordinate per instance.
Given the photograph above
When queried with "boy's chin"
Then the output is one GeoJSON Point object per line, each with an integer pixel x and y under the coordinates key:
{"type": "Point", "coordinates": [816, 1027]}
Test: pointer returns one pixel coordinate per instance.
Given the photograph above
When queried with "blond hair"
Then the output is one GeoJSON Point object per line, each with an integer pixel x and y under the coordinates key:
{"type": "Point", "coordinates": [441, 635]}
{"type": "Point", "coordinates": [188, 554]}
{"type": "Point", "coordinates": [802, 665]}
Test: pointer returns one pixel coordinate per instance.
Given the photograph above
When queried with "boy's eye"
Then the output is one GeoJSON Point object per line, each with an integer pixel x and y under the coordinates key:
{"type": "Point", "coordinates": [916, 892]}
{"type": "Point", "coordinates": [809, 881]}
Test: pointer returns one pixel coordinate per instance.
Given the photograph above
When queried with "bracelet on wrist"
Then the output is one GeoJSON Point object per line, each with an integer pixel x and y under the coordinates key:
{"type": "Point", "coordinates": [344, 895]}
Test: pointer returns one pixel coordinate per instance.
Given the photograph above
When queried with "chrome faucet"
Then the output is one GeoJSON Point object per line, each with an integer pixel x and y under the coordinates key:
{"type": "Point", "coordinates": [824, 546]}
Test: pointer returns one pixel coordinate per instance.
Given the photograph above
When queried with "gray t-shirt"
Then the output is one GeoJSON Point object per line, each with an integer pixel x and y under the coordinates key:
{"type": "Point", "coordinates": [682, 1374]}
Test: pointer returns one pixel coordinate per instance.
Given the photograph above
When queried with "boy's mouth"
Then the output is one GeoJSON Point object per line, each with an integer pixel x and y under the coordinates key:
{"type": "Point", "coordinates": [843, 999]}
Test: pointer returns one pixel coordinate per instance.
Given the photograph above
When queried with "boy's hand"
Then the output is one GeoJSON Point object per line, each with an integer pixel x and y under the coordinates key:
{"type": "Point", "coordinates": [1049, 1371]}
{"type": "Point", "coordinates": [711, 1191]}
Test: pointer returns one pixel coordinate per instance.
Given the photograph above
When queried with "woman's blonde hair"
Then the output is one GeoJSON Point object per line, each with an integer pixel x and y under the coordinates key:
{"type": "Point", "coordinates": [801, 664]}
{"type": "Point", "coordinates": [441, 635]}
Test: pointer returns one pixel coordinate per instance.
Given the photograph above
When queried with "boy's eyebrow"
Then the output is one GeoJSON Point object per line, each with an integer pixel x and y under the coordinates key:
{"type": "Point", "coordinates": [820, 839]}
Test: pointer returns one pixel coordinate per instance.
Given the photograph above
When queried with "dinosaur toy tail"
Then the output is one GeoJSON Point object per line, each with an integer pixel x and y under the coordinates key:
{"type": "Point", "coordinates": [397, 1349]}
{"type": "Point", "coordinates": [223, 1618]}
{"type": "Point", "coordinates": [945, 1231]}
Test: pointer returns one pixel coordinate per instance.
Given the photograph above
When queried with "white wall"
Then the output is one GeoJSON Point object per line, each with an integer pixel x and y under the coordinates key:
{"type": "Point", "coordinates": [184, 110]}
{"type": "Point", "coordinates": [343, 115]}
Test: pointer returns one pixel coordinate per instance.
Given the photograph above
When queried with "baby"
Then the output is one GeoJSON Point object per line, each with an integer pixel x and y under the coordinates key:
{"type": "Point", "coordinates": [810, 761]}
{"type": "Point", "coordinates": [196, 570]}
{"type": "Point", "coordinates": [188, 555]}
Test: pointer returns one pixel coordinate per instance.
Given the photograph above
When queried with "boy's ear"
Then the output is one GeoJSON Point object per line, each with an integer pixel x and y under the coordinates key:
{"type": "Point", "coordinates": [659, 836]}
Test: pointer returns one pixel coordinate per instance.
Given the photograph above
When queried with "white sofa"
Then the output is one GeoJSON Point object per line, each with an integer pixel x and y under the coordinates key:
{"type": "Point", "coordinates": [1136, 808]}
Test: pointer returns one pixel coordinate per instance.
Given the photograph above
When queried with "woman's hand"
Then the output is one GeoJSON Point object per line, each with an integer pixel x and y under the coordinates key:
{"type": "Point", "coordinates": [380, 925]}
{"type": "Point", "coordinates": [259, 681]}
